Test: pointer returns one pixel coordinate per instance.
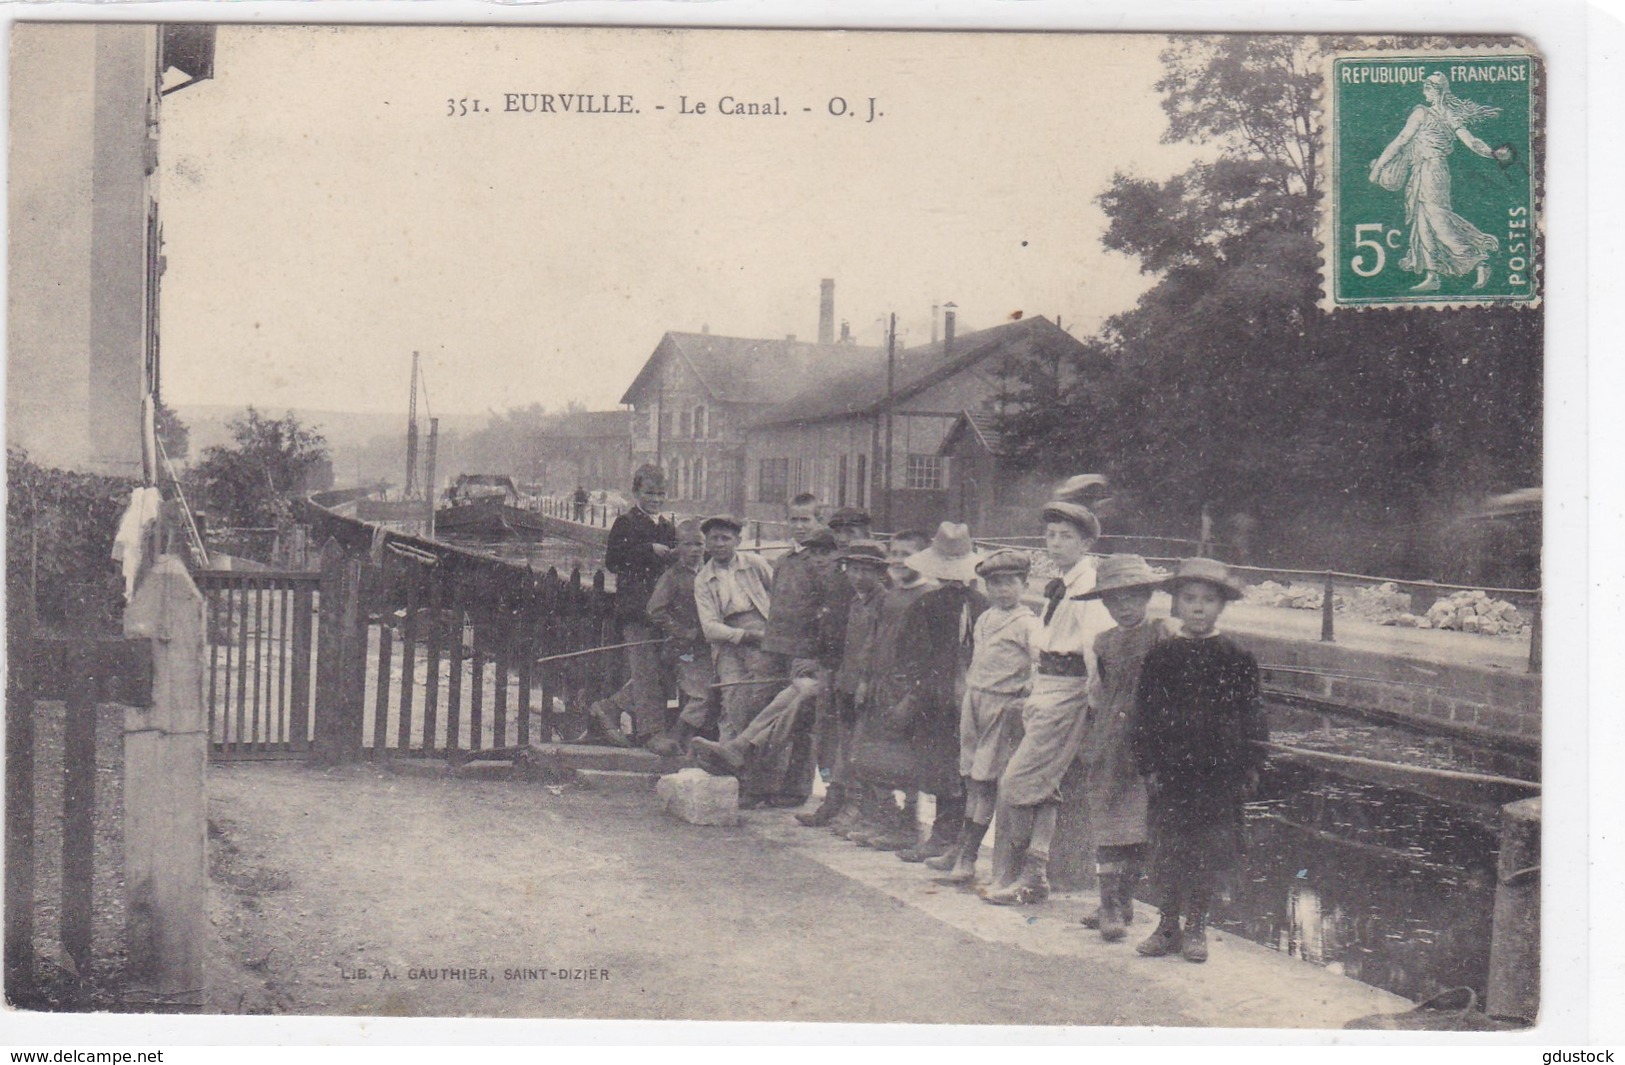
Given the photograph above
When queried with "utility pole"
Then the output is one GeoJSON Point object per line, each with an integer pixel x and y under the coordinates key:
{"type": "Point", "coordinates": [891, 390]}
{"type": "Point", "coordinates": [411, 487]}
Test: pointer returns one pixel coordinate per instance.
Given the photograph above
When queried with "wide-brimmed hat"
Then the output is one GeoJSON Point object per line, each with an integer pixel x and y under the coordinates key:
{"type": "Point", "coordinates": [951, 556]}
{"type": "Point", "coordinates": [849, 517]}
{"type": "Point", "coordinates": [1006, 560]}
{"type": "Point", "coordinates": [1122, 573]}
{"type": "Point", "coordinates": [721, 521]}
{"type": "Point", "coordinates": [1074, 514]}
{"type": "Point", "coordinates": [1209, 571]}
{"type": "Point", "coordinates": [1082, 488]}
{"type": "Point", "coordinates": [866, 552]}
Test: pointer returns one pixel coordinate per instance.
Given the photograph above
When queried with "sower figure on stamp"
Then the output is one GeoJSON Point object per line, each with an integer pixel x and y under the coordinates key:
{"type": "Point", "coordinates": [1417, 160]}
{"type": "Point", "coordinates": [773, 753]}
{"type": "Point", "coordinates": [673, 610]}
{"type": "Point", "coordinates": [882, 825]}
{"type": "Point", "coordinates": [933, 657]}
{"type": "Point", "coordinates": [640, 545]}
{"type": "Point", "coordinates": [732, 599]}
{"type": "Point", "coordinates": [1054, 716]}
{"type": "Point", "coordinates": [1113, 787]}
{"type": "Point", "coordinates": [1197, 740]}
{"type": "Point", "coordinates": [999, 679]}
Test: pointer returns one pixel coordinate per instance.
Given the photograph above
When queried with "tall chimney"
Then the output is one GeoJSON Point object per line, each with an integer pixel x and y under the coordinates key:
{"type": "Point", "coordinates": [846, 331]}
{"type": "Point", "coordinates": [936, 313]}
{"type": "Point", "coordinates": [826, 311]}
{"type": "Point", "coordinates": [948, 328]}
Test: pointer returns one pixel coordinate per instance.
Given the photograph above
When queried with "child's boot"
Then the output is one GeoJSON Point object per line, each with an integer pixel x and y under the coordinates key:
{"type": "Point", "coordinates": [1111, 925]}
{"type": "Point", "coordinates": [1030, 887]}
{"type": "Point", "coordinates": [1194, 942]}
{"type": "Point", "coordinates": [1127, 881]}
{"type": "Point", "coordinates": [834, 801]}
{"type": "Point", "coordinates": [961, 864]}
{"type": "Point", "coordinates": [1165, 940]}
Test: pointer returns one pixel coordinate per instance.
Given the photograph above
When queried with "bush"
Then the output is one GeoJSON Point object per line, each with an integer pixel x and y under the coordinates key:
{"type": "Point", "coordinates": [59, 538]}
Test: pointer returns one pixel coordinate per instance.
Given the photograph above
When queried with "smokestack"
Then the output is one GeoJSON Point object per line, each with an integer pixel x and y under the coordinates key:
{"type": "Point", "coordinates": [948, 328]}
{"type": "Point", "coordinates": [936, 312]}
{"type": "Point", "coordinates": [826, 311]}
{"type": "Point", "coordinates": [846, 331]}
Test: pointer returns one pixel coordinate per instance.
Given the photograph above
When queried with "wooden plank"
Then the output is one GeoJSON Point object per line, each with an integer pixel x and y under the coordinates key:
{"type": "Point", "coordinates": [257, 713]}
{"type": "Point", "coordinates": [454, 694]}
{"type": "Point", "coordinates": [19, 835]}
{"type": "Point", "coordinates": [214, 656]}
{"type": "Point", "coordinates": [284, 662]}
{"type": "Point", "coordinates": [165, 752]}
{"type": "Point", "coordinates": [243, 736]}
{"type": "Point", "coordinates": [380, 706]}
{"type": "Point", "coordinates": [431, 683]}
{"type": "Point", "coordinates": [527, 655]}
{"type": "Point", "coordinates": [476, 709]}
{"type": "Point", "coordinates": [339, 658]}
{"type": "Point", "coordinates": [304, 601]}
{"type": "Point", "coordinates": [79, 806]}
{"type": "Point", "coordinates": [503, 630]}
{"type": "Point", "coordinates": [409, 649]}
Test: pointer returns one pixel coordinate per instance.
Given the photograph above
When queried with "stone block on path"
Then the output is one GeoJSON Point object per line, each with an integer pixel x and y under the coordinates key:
{"type": "Point", "coordinates": [695, 796]}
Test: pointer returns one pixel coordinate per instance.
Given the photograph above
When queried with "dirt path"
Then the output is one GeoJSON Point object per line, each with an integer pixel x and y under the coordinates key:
{"type": "Point", "coordinates": [323, 875]}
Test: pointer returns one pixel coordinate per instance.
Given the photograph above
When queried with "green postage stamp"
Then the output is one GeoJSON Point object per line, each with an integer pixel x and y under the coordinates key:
{"type": "Point", "coordinates": [1433, 192]}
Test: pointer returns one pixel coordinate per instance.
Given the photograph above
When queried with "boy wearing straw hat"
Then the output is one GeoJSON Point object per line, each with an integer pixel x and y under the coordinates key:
{"type": "Point", "coordinates": [1054, 715]}
{"type": "Point", "coordinates": [999, 678]}
{"type": "Point", "coordinates": [934, 653]}
{"type": "Point", "coordinates": [1113, 787]}
{"type": "Point", "coordinates": [1198, 737]}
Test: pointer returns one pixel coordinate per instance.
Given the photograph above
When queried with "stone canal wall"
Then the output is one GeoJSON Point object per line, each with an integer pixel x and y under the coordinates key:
{"type": "Point", "coordinates": [1494, 705]}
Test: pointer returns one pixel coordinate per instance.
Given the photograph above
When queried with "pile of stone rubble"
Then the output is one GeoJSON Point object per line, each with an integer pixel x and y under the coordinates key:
{"type": "Point", "coordinates": [1473, 611]}
{"type": "Point", "coordinates": [1386, 604]}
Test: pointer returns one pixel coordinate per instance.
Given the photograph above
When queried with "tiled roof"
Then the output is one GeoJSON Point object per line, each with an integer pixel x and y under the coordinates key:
{"type": "Point", "coordinates": [985, 427]}
{"type": "Point", "coordinates": [860, 388]}
{"type": "Point", "coordinates": [744, 370]}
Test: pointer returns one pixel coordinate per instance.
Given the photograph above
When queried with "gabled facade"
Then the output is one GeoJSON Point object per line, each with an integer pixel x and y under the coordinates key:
{"type": "Point", "coordinates": [695, 397]}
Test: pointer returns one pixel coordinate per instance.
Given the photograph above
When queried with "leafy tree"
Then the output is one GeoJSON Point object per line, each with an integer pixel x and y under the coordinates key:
{"type": "Point", "coordinates": [1345, 438]}
{"type": "Point", "coordinates": [173, 433]}
{"type": "Point", "coordinates": [272, 461]}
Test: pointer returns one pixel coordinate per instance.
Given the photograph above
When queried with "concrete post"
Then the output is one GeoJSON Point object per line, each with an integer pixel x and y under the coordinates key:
{"type": "Point", "coordinates": [1514, 983]}
{"type": "Point", "coordinates": [165, 754]}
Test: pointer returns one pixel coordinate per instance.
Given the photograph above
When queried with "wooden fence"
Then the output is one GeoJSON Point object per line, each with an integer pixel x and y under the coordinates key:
{"type": "Point", "coordinates": [261, 649]}
{"type": "Point", "coordinates": [427, 650]}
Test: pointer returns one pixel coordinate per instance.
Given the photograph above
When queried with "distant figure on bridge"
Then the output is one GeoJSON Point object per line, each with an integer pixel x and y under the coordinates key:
{"type": "Point", "coordinates": [641, 543]}
{"type": "Point", "coordinates": [580, 500]}
{"type": "Point", "coordinates": [1198, 714]}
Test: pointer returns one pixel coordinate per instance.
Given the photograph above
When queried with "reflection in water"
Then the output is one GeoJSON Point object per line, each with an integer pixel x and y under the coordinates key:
{"type": "Point", "coordinates": [1389, 887]}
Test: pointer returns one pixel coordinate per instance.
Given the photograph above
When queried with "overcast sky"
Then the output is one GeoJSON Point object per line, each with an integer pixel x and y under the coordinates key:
{"type": "Point", "coordinates": [324, 216]}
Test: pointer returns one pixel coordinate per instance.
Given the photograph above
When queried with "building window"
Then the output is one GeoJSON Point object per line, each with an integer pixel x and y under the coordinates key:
{"type": "Point", "coordinates": [923, 472]}
{"type": "Point", "coordinates": [861, 495]}
{"type": "Point", "coordinates": [699, 478]}
{"type": "Point", "coordinates": [699, 423]}
{"type": "Point", "coordinates": [773, 481]}
{"type": "Point", "coordinates": [682, 423]}
{"type": "Point", "coordinates": [840, 481]}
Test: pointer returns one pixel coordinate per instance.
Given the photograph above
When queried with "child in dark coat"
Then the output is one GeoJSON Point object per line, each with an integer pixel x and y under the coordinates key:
{"type": "Point", "coordinates": [1198, 715]}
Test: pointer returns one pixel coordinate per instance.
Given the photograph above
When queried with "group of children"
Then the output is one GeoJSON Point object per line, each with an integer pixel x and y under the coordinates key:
{"type": "Point", "coordinates": [914, 666]}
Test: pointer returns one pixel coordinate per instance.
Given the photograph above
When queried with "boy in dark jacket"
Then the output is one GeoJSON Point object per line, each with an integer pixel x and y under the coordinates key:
{"type": "Point", "coordinates": [1198, 719]}
{"type": "Point", "coordinates": [641, 543]}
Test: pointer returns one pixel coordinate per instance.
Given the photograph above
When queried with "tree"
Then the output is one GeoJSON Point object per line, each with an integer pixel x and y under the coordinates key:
{"type": "Point", "coordinates": [173, 434]}
{"type": "Point", "coordinates": [252, 482]}
{"type": "Point", "coordinates": [1346, 438]}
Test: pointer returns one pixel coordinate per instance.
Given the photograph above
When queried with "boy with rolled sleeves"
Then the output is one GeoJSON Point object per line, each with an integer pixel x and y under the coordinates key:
{"type": "Point", "coordinates": [732, 599]}
{"type": "Point", "coordinates": [1198, 738]}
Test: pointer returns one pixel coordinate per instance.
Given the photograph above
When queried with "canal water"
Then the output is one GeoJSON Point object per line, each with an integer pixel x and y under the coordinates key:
{"type": "Point", "coordinates": [1384, 885]}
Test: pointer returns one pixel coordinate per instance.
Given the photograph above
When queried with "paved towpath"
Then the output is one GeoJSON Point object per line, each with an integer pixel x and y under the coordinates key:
{"type": "Point", "coordinates": [560, 902]}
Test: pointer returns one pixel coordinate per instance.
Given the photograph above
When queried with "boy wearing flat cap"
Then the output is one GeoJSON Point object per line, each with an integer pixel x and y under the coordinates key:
{"type": "Point", "coordinates": [999, 677]}
{"type": "Point", "coordinates": [1197, 740]}
{"type": "Point", "coordinates": [1113, 788]}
